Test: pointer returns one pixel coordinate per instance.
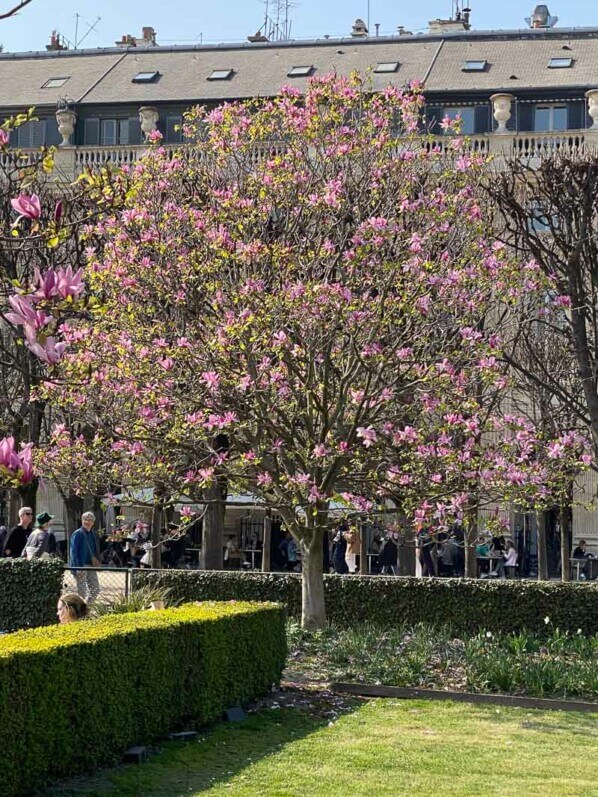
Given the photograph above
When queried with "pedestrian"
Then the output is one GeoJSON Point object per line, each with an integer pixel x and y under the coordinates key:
{"type": "Point", "coordinates": [339, 550]}
{"type": "Point", "coordinates": [353, 548]}
{"type": "Point", "coordinates": [388, 557]}
{"type": "Point", "coordinates": [426, 545]}
{"type": "Point", "coordinates": [3, 538]}
{"type": "Point", "coordinates": [41, 543]}
{"type": "Point", "coordinates": [17, 536]}
{"type": "Point", "coordinates": [71, 608]}
{"type": "Point", "coordinates": [84, 553]}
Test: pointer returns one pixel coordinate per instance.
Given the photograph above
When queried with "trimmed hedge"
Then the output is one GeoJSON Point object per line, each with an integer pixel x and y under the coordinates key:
{"type": "Point", "coordinates": [74, 697]}
{"type": "Point", "coordinates": [29, 592]}
{"type": "Point", "coordinates": [467, 605]}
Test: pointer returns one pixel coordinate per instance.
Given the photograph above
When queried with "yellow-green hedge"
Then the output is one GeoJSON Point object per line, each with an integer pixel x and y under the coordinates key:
{"type": "Point", "coordinates": [74, 697]}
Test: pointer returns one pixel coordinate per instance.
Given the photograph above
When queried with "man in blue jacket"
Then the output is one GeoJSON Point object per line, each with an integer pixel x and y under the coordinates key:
{"type": "Point", "coordinates": [85, 552]}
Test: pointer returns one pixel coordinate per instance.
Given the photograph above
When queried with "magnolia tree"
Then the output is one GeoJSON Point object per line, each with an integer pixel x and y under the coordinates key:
{"type": "Point", "coordinates": [303, 303]}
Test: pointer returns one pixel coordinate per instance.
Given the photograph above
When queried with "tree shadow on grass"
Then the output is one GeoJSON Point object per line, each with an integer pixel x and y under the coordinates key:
{"type": "Point", "coordinates": [220, 752]}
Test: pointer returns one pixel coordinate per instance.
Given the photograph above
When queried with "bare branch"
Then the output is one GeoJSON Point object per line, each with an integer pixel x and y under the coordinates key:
{"type": "Point", "coordinates": [15, 10]}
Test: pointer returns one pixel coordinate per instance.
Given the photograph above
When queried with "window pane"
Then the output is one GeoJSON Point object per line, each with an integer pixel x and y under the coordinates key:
{"type": "Point", "coordinates": [108, 132]}
{"type": "Point", "coordinates": [467, 116]}
{"type": "Point", "coordinates": [542, 119]}
{"type": "Point", "coordinates": [559, 118]}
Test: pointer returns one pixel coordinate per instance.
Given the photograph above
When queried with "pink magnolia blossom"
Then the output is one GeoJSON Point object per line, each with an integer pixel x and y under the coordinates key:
{"type": "Point", "coordinates": [4, 138]}
{"type": "Point", "coordinates": [28, 207]}
{"type": "Point", "coordinates": [48, 350]}
{"type": "Point", "coordinates": [69, 284]}
{"type": "Point", "coordinates": [368, 435]}
{"type": "Point", "coordinates": [24, 313]}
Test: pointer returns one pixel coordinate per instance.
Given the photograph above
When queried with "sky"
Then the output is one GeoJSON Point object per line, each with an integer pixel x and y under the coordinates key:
{"type": "Point", "coordinates": [209, 21]}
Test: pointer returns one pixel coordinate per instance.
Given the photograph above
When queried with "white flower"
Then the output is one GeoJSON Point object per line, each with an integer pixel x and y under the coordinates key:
{"type": "Point", "coordinates": [579, 630]}
{"type": "Point", "coordinates": [489, 634]}
{"type": "Point", "coordinates": [547, 620]}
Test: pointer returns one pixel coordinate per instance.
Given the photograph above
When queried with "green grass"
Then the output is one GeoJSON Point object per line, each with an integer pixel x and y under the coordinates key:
{"type": "Point", "coordinates": [381, 747]}
{"type": "Point", "coordinates": [555, 664]}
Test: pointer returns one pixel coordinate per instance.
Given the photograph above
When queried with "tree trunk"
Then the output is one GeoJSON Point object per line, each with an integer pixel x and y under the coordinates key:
{"type": "Point", "coordinates": [313, 611]}
{"type": "Point", "coordinates": [28, 495]}
{"type": "Point", "coordinates": [542, 552]}
{"type": "Point", "coordinates": [156, 554]}
{"type": "Point", "coordinates": [565, 524]}
{"type": "Point", "coordinates": [213, 528]}
{"type": "Point", "coordinates": [407, 553]}
{"type": "Point", "coordinates": [266, 542]}
{"type": "Point", "coordinates": [470, 535]}
{"type": "Point", "coordinates": [74, 510]}
{"type": "Point", "coordinates": [363, 551]}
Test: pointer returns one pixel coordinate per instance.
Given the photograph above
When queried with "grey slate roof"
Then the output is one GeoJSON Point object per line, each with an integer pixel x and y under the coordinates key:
{"type": "Point", "coordinates": [104, 76]}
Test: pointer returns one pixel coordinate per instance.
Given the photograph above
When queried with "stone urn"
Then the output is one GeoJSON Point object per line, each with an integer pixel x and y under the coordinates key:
{"type": "Point", "coordinates": [148, 117]}
{"type": "Point", "coordinates": [66, 119]}
{"type": "Point", "coordinates": [592, 98]}
{"type": "Point", "coordinates": [501, 110]}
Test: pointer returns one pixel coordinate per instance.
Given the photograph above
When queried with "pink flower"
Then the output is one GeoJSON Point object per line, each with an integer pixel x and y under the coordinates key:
{"type": "Point", "coordinates": [69, 284]}
{"type": "Point", "coordinates": [320, 450]}
{"type": "Point", "coordinates": [25, 314]}
{"type": "Point", "coordinates": [368, 435]}
{"type": "Point", "coordinates": [187, 512]}
{"type": "Point", "coordinates": [4, 139]}
{"type": "Point", "coordinates": [49, 351]}
{"type": "Point", "coordinates": [264, 479]}
{"type": "Point", "coordinates": [211, 379]}
{"type": "Point", "coordinates": [28, 207]}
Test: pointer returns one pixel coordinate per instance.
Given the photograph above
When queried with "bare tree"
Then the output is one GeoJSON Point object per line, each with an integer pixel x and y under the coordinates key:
{"type": "Point", "coordinates": [15, 10]}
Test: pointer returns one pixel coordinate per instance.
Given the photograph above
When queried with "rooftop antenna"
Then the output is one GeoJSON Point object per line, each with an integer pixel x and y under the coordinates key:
{"type": "Point", "coordinates": [277, 20]}
{"type": "Point", "coordinates": [77, 42]}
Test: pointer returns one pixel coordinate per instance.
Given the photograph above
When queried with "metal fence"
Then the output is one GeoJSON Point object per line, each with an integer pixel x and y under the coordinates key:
{"type": "Point", "coordinates": [98, 583]}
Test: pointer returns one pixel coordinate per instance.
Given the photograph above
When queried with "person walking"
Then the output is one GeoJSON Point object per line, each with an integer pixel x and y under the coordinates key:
{"type": "Point", "coordinates": [85, 552]}
{"type": "Point", "coordinates": [17, 536]}
{"type": "Point", "coordinates": [388, 557]}
{"type": "Point", "coordinates": [41, 543]}
{"type": "Point", "coordinates": [353, 548]}
{"type": "Point", "coordinates": [339, 549]}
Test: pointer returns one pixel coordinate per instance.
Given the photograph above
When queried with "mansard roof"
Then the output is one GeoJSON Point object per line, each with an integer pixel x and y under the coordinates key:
{"type": "Point", "coordinates": [514, 60]}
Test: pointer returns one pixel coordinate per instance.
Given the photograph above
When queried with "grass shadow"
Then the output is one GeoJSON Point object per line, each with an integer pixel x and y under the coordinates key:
{"type": "Point", "coordinates": [220, 752]}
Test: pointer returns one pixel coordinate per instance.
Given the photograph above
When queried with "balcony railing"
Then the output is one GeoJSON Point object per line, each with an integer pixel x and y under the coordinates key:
{"type": "Point", "coordinates": [73, 161]}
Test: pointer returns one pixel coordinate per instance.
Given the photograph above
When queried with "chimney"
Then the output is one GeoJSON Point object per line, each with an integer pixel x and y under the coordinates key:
{"type": "Point", "coordinates": [55, 43]}
{"type": "Point", "coordinates": [402, 32]}
{"type": "Point", "coordinates": [257, 37]}
{"type": "Point", "coordinates": [541, 18]}
{"type": "Point", "coordinates": [449, 25]}
{"type": "Point", "coordinates": [148, 37]}
{"type": "Point", "coordinates": [127, 41]}
{"type": "Point", "coordinates": [359, 29]}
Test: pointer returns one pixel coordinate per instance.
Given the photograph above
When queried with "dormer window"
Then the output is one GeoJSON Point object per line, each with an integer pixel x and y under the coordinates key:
{"type": "Point", "coordinates": [300, 71]}
{"type": "Point", "coordinates": [221, 74]}
{"type": "Point", "coordinates": [386, 67]}
{"type": "Point", "coordinates": [474, 66]}
{"type": "Point", "coordinates": [560, 63]}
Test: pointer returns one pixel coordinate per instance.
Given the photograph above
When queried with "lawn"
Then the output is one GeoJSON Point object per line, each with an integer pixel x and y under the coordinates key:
{"type": "Point", "coordinates": [370, 748]}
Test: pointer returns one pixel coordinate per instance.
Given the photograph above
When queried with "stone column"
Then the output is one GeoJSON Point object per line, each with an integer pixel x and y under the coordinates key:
{"type": "Point", "coordinates": [148, 116]}
{"type": "Point", "coordinates": [501, 110]}
{"type": "Point", "coordinates": [66, 118]}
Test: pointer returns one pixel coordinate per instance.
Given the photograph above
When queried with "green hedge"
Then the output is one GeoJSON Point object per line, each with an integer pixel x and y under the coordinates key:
{"type": "Point", "coordinates": [466, 605]}
{"type": "Point", "coordinates": [29, 592]}
{"type": "Point", "coordinates": [74, 697]}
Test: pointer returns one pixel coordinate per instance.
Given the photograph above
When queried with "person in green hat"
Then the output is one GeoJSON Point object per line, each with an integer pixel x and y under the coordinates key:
{"type": "Point", "coordinates": [41, 543]}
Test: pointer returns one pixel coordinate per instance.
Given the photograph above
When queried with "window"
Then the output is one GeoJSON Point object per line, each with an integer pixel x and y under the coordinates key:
{"type": "Point", "coordinates": [145, 77]}
{"type": "Point", "coordinates": [386, 67]}
{"type": "Point", "coordinates": [55, 82]}
{"type": "Point", "coordinates": [560, 63]}
{"type": "Point", "coordinates": [114, 131]}
{"type": "Point", "coordinates": [474, 66]}
{"type": "Point", "coordinates": [300, 71]}
{"type": "Point", "coordinates": [549, 118]}
{"type": "Point", "coordinates": [467, 117]}
{"type": "Point", "coordinates": [537, 220]}
{"type": "Point", "coordinates": [174, 133]}
{"type": "Point", "coordinates": [221, 74]}
{"type": "Point", "coordinates": [31, 135]}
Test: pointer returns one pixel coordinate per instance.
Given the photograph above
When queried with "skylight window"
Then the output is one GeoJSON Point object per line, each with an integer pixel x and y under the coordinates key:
{"type": "Point", "coordinates": [387, 67]}
{"type": "Point", "coordinates": [474, 66]}
{"type": "Point", "coordinates": [221, 74]}
{"type": "Point", "coordinates": [55, 82]}
{"type": "Point", "coordinates": [300, 71]}
{"type": "Point", "coordinates": [146, 77]}
{"type": "Point", "coordinates": [560, 63]}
